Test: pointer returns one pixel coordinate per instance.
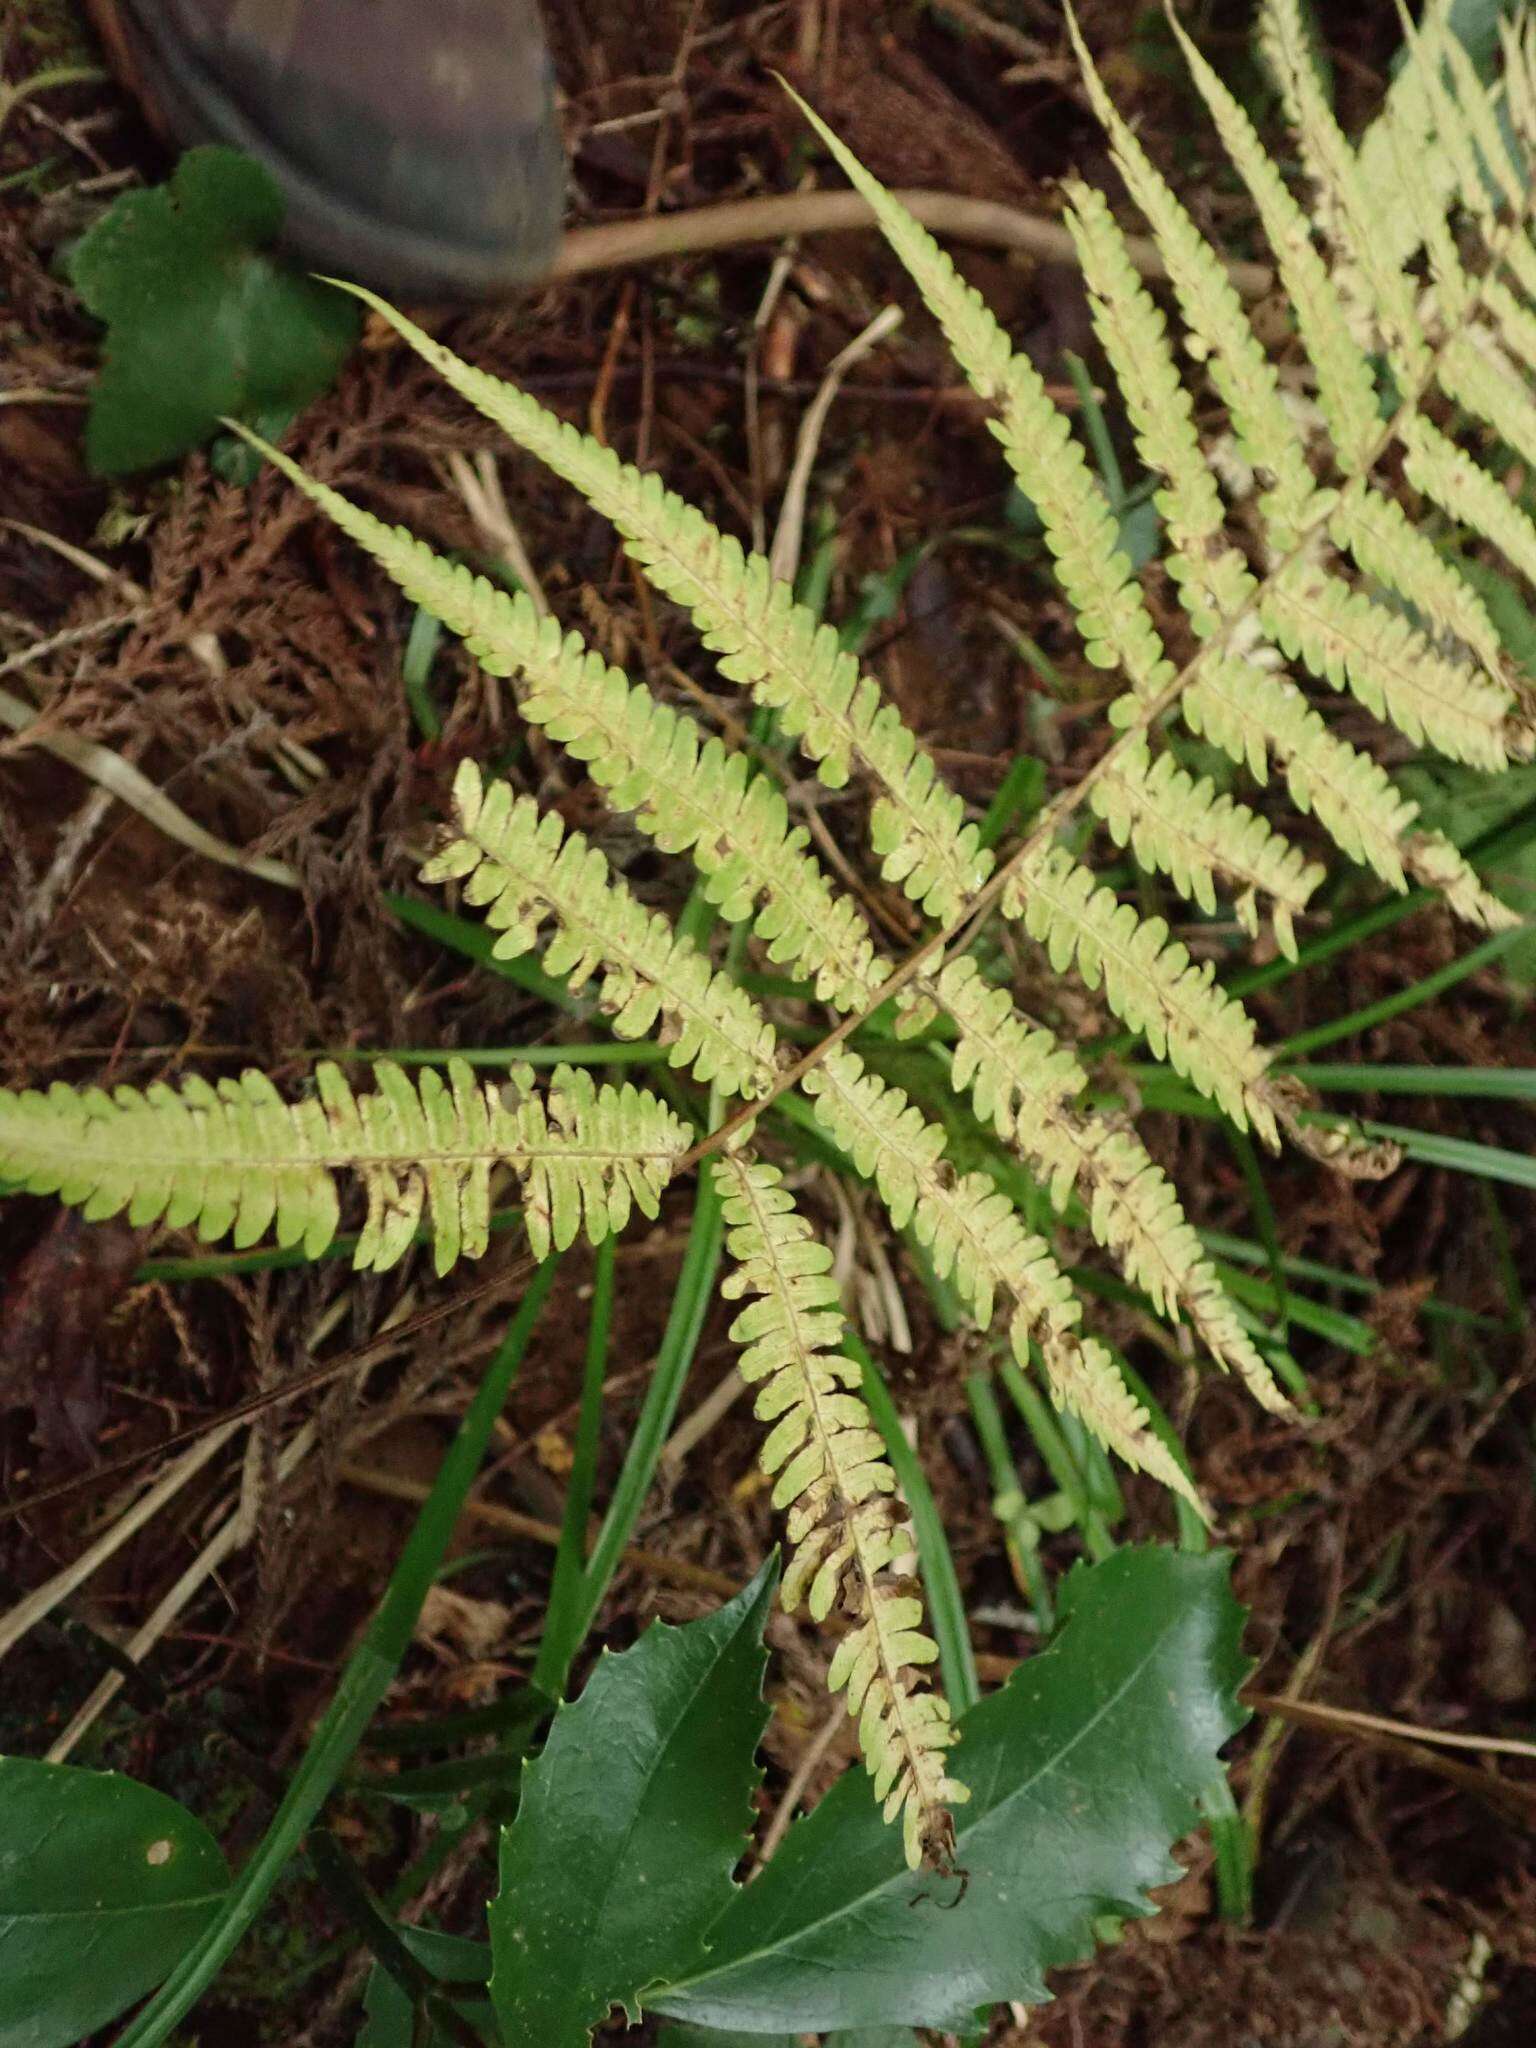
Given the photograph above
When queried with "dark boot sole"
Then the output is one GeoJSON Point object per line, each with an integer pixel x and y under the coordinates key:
{"type": "Point", "coordinates": [324, 229]}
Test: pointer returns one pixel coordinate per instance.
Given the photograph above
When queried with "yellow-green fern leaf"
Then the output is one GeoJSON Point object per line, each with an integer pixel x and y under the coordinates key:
{"type": "Point", "coordinates": [1149, 980]}
{"type": "Point", "coordinates": [1400, 556]}
{"type": "Point", "coordinates": [1512, 318]}
{"type": "Point", "coordinates": [973, 1234]}
{"type": "Point", "coordinates": [1474, 374]}
{"type": "Point", "coordinates": [1242, 706]}
{"type": "Point", "coordinates": [850, 1543]}
{"type": "Point", "coordinates": [1518, 79]}
{"type": "Point", "coordinates": [1449, 478]}
{"type": "Point", "coordinates": [1246, 708]}
{"type": "Point", "coordinates": [1405, 129]}
{"type": "Point", "coordinates": [1022, 1083]}
{"type": "Point", "coordinates": [1084, 1380]}
{"type": "Point", "coordinates": [689, 793]}
{"type": "Point", "coordinates": [1239, 367]}
{"type": "Point", "coordinates": [1437, 864]}
{"type": "Point", "coordinates": [232, 1158]}
{"type": "Point", "coordinates": [760, 636]}
{"type": "Point", "coordinates": [527, 871]}
{"type": "Point", "coordinates": [1013, 1069]}
{"type": "Point", "coordinates": [1184, 829]}
{"type": "Point", "coordinates": [1346, 386]}
{"type": "Point", "coordinates": [1371, 232]}
{"type": "Point", "coordinates": [1108, 605]}
{"type": "Point", "coordinates": [1133, 332]}
{"type": "Point", "coordinates": [1384, 661]}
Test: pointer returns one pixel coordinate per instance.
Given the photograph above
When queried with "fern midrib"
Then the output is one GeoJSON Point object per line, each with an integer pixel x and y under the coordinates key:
{"type": "Point", "coordinates": [911, 1746]}
{"type": "Point", "coordinates": [340, 1158]}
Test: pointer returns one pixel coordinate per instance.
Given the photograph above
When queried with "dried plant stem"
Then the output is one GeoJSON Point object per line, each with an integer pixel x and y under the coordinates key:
{"type": "Point", "coordinates": [618, 244]}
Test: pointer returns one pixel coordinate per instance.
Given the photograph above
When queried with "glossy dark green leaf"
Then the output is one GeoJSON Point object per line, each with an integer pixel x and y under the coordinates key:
{"type": "Point", "coordinates": [632, 1820]}
{"type": "Point", "coordinates": [681, 2035]}
{"type": "Point", "coordinates": [104, 1885]}
{"type": "Point", "coordinates": [202, 318]}
{"type": "Point", "coordinates": [1083, 1770]}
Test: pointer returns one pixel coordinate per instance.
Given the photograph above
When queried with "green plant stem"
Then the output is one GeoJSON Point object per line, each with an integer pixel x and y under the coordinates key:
{"type": "Point", "coordinates": [340, 1878]}
{"type": "Point", "coordinates": [369, 1674]}
{"type": "Point", "coordinates": [680, 1341]}
{"type": "Point", "coordinates": [565, 1597]}
{"type": "Point", "coordinates": [1263, 1211]}
{"type": "Point", "coordinates": [1008, 1503]}
{"type": "Point", "coordinates": [946, 1605]}
{"type": "Point", "coordinates": [1487, 1084]}
{"type": "Point", "coordinates": [1059, 1461]}
{"type": "Point", "coordinates": [1403, 999]}
{"type": "Point", "coordinates": [416, 671]}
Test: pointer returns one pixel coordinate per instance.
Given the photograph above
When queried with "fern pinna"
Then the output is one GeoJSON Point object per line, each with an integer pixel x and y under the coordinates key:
{"type": "Point", "coordinates": [1327, 526]}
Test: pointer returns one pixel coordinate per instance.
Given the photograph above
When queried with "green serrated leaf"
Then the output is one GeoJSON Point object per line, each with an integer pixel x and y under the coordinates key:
{"type": "Point", "coordinates": [202, 319]}
{"type": "Point", "coordinates": [631, 1822]}
{"type": "Point", "coordinates": [104, 1885]}
{"type": "Point", "coordinates": [685, 2036]}
{"type": "Point", "coordinates": [682, 2035]}
{"type": "Point", "coordinates": [1084, 1770]}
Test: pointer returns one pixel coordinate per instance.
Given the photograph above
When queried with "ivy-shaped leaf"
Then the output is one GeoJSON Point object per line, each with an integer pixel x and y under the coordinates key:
{"type": "Point", "coordinates": [104, 1884]}
{"type": "Point", "coordinates": [203, 319]}
{"type": "Point", "coordinates": [631, 1823]}
{"type": "Point", "coordinates": [1084, 1769]}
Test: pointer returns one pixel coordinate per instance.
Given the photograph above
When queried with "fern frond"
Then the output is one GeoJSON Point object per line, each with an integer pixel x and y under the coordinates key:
{"type": "Point", "coordinates": [1236, 702]}
{"type": "Point", "coordinates": [1110, 609]}
{"type": "Point", "coordinates": [1449, 478]}
{"type": "Point", "coordinates": [1439, 865]}
{"type": "Point", "coordinates": [1182, 828]}
{"type": "Point", "coordinates": [760, 636]}
{"type": "Point", "coordinates": [1023, 1083]}
{"type": "Point", "coordinates": [1404, 130]}
{"type": "Point", "coordinates": [1148, 979]}
{"type": "Point", "coordinates": [522, 865]}
{"type": "Point", "coordinates": [1015, 1072]}
{"type": "Point", "coordinates": [1238, 365]}
{"type": "Point", "coordinates": [1346, 386]}
{"type": "Point", "coordinates": [1475, 375]}
{"type": "Point", "coordinates": [1380, 537]}
{"type": "Point", "coordinates": [974, 1237]}
{"type": "Point", "coordinates": [849, 1539]}
{"type": "Point", "coordinates": [689, 793]}
{"type": "Point", "coordinates": [232, 1158]}
{"type": "Point", "coordinates": [1382, 659]}
{"type": "Point", "coordinates": [1369, 232]}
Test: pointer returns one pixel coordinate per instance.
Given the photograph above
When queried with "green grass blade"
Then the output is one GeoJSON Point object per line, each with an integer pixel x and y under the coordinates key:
{"type": "Point", "coordinates": [680, 1341]}
{"type": "Point", "coordinates": [558, 1646]}
{"type": "Point", "coordinates": [1460, 1155]}
{"type": "Point", "coordinates": [369, 1674]}
{"type": "Point", "coordinates": [946, 1605]}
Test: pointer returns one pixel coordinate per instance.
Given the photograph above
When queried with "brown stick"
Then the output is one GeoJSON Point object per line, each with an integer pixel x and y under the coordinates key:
{"type": "Point", "coordinates": [617, 244]}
